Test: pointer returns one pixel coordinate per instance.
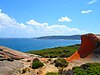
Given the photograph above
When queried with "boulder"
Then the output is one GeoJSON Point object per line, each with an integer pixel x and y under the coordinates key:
{"type": "Point", "coordinates": [90, 44]}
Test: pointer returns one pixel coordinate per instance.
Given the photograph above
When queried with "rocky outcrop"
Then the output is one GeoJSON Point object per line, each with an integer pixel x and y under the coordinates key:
{"type": "Point", "coordinates": [90, 44]}
{"type": "Point", "coordinates": [7, 53]}
{"type": "Point", "coordinates": [9, 68]}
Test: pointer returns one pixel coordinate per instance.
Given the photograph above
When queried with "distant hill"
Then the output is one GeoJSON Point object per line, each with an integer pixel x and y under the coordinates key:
{"type": "Point", "coordinates": [72, 37]}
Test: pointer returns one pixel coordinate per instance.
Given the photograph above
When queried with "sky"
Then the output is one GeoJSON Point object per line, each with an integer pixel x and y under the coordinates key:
{"type": "Point", "coordinates": [35, 18]}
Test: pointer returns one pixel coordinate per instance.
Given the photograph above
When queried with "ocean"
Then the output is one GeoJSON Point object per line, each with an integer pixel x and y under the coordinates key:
{"type": "Point", "coordinates": [25, 45]}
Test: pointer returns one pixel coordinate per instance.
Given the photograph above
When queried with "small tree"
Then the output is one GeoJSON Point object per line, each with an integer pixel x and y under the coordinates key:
{"type": "Point", "coordinates": [37, 64]}
{"type": "Point", "coordinates": [61, 63]}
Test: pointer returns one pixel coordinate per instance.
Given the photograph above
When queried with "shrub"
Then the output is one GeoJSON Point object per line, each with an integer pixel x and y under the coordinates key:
{"type": "Point", "coordinates": [63, 55]}
{"type": "Point", "coordinates": [37, 64]}
{"type": "Point", "coordinates": [52, 73]}
{"type": "Point", "coordinates": [87, 69]}
{"type": "Point", "coordinates": [61, 63]}
{"type": "Point", "coordinates": [65, 51]}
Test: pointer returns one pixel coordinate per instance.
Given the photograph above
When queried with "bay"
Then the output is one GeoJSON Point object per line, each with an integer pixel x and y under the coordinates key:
{"type": "Point", "coordinates": [25, 45]}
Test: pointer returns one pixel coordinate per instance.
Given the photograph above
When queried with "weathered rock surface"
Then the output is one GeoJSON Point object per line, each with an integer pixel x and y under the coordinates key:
{"type": "Point", "coordinates": [7, 53]}
{"type": "Point", "coordinates": [11, 61]}
{"type": "Point", "coordinates": [9, 68]}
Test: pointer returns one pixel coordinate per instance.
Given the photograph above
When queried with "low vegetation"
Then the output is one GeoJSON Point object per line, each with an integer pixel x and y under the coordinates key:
{"type": "Point", "coordinates": [37, 64]}
{"type": "Point", "coordinates": [60, 63]}
{"type": "Point", "coordinates": [52, 73]}
{"type": "Point", "coordinates": [87, 69]}
{"type": "Point", "coordinates": [65, 51]}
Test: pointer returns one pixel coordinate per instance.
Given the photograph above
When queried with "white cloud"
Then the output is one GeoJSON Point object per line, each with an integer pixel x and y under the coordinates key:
{"type": "Point", "coordinates": [86, 11]}
{"type": "Point", "coordinates": [36, 24]}
{"type": "Point", "coordinates": [51, 29]}
{"type": "Point", "coordinates": [9, 27]}
{"type": "Point", "coordinates": [64, 19]}
{"type": "Point", "coordinates": [93, 1]}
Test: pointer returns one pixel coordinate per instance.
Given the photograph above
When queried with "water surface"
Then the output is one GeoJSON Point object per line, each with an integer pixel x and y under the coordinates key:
{"type": "Point", "coordinates": [35, 44]}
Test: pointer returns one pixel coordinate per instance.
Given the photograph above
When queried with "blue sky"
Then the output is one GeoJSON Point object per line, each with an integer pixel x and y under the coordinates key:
{"type": "Point", "coordinates": [33, 18]}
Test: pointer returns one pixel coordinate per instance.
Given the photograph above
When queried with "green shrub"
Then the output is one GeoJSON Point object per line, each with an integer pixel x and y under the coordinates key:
{"type": "Point", "coordinates": [36, 65]}
{"type": "Point", "coordinates": [61, 63]}
{"type": "Point", "coordinates": [87, 69]}
{"type": "Point", "coordinates": [52, 73]}
{"type": "Point", "coordinates": [65, 51]}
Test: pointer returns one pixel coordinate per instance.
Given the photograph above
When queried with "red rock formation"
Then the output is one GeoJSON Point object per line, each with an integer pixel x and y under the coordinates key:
{"type": "Point", "coordinates": [88, 44]}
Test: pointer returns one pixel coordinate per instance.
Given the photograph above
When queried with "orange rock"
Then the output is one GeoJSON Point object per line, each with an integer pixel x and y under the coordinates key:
{"type": "Point", "coordinates": [88, 44]}
{"type": "Point", "coordinates": [75, 56]}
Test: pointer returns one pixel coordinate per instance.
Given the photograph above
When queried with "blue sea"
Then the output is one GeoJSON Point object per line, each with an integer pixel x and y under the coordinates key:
{"type": "Point", "coordinates": [25, 45]}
